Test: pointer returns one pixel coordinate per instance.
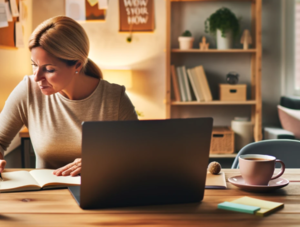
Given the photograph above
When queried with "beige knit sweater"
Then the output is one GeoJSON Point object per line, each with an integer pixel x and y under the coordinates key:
{"type": "Point", "coordinates": [54, 122]}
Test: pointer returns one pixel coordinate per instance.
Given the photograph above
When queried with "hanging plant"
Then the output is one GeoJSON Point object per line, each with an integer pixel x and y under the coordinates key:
{"type": "Point", "coordinates": [224, 20]}
{"type": "Point", "coordinates": [129, 38]}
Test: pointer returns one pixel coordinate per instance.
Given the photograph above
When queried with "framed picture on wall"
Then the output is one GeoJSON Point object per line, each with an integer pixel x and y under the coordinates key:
{"type": "Point", "coordinates": [136, 15]}
{"type": "Point", "coordinates": [94, 12]}
{"type": "Point", "coordinates": [85, 10]}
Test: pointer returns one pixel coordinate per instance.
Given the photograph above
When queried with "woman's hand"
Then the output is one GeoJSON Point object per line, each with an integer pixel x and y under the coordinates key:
{"type": "Point", "coordinates": [2, 165]}
{"type": "Point", "coordinates": [72, 169]}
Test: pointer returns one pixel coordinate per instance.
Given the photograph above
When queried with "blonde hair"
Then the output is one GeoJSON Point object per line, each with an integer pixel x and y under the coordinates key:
{"type": "Point", "coordinates": [65, 39]}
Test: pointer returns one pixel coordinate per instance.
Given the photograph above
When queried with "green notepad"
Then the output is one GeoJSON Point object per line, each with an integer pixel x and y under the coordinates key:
{"type": "Point", "coordinates": [238, 207]}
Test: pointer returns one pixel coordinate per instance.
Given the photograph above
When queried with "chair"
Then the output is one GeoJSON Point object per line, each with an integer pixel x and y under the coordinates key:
{"type": "Point", "coordinates": [287, 151]}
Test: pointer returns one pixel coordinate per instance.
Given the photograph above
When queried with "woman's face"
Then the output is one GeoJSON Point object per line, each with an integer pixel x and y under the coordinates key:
{"type": "Point", "coordinates": [51, 74]}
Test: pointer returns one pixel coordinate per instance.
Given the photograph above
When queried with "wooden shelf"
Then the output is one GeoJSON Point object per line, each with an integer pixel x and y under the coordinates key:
{"type": "Point", "coordinates": [229, 51]}
{"type": "Point", "coordinates": [211, 0]}
{"type": "Point", "coordinates": [215, 102]}
{"type": "Point", "coordinates": [8, 48]}
{"type": "Point", "coordinates": [178, 57]}
{"type": "Point", "coordinates": [222, 155]}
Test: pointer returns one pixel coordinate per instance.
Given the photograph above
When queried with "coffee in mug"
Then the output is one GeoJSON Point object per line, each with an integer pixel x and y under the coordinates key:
{"type": "Point", "coordinates": [258, 169]}
{"type": "Point", "coordinates": [257, 159]}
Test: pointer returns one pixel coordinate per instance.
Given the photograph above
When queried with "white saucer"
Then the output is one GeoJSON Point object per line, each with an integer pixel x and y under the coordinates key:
{"type": "Point", "coordinates": [273, 184]}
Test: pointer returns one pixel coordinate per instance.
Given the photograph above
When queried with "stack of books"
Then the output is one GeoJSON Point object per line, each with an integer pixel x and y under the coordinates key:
{"type": "Point", "coordinates": [189, 83]}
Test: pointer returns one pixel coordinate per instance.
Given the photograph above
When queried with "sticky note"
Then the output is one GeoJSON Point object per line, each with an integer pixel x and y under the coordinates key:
{"type": "Point", "coordinates": [267, 207]}
{"type": "Point", "coordinates": [238, 207]}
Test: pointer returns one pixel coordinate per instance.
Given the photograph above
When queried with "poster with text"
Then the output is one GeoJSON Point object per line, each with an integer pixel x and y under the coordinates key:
{"type": "Point", "coordinates": [136, 15]}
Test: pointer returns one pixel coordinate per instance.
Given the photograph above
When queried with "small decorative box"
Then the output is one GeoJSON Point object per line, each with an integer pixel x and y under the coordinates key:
{"type": "Point", "coordinates": [222, 140]}
{"type": "Point", "coordinates": [233, 92]}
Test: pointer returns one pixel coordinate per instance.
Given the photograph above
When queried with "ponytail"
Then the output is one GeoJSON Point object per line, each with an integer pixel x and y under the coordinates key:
{"type": "Point", "coordinates": [92, 70]}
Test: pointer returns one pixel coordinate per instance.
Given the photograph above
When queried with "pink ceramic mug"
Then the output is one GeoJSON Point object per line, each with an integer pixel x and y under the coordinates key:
{"type": "Point", "coordinates": [258, 169]}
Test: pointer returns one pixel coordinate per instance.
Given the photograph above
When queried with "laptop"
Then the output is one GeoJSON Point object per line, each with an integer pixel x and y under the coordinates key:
{"type": "Point", "coordinates": [136, 163]}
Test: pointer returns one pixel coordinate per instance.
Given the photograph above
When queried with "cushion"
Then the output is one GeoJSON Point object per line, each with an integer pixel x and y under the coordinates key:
{"type": "Point", "coordinates": [290, 102]}
{"type": "Point", "coordinates": [290, 120]}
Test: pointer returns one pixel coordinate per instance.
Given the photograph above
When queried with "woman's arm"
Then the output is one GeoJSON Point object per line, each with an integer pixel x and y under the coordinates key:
{"type": "Point", "coordinates": [2, 162]}
{"type": "Point", "coordinates": [126, 108]}
{"type": "Point", "coordinates": [12, 117]}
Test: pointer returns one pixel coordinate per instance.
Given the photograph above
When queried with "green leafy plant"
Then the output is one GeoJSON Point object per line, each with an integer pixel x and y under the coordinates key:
{"type": "Point", "coordinates": [224, 20]}
{"type": "Point", "coordinates": [187, 33]}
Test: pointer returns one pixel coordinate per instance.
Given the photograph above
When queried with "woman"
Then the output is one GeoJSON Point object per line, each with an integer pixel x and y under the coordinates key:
{"type": "Point", "coordinates": [66, 88]}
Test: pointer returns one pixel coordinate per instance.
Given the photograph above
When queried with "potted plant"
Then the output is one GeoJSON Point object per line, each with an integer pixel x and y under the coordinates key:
{"type": "Point", "coordinates": [225, 25]}
{"type": "Point", "coordinates": [186, 40]}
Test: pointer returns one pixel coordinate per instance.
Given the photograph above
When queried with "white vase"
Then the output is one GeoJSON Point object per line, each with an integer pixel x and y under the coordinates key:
{"type": "Point", "coordinates": [243, 133]}
{"type": "Point", "coordinates": [224, 43]}
{"type": "Point", "coordinates": [185, 43]}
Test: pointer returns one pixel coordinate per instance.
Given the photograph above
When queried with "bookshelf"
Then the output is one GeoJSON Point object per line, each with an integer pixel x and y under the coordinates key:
{"type": "Point", "coordinates": [213, 51]}
{"type": "Point", "coordinates": [222, 156]}
{"type": "Point", "coordinates": [253, 57]}
{"type": "Point", "coordinates": [214, 102]}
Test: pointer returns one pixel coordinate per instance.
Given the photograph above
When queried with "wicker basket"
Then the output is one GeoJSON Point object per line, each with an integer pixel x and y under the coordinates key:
{"type": "Point", "coordinates": [222, 141]}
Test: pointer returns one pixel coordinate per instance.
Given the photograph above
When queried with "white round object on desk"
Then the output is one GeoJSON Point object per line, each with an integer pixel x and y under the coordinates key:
{"type": "Point", "coordinates": [243, 132]}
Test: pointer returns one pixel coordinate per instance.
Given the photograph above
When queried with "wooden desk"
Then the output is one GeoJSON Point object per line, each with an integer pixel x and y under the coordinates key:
{"type": "Point", "coordinates": [58, 208]}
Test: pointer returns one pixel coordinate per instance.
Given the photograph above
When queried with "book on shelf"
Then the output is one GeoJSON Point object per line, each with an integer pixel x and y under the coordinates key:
{"type": "Point", "coordinates": [186, 84]}
{"type": "Point", "coordinates": [35, 180]}
{"type": "Point", "coordinates": [195, 85]}
{"type": "Point", "coordinates": [181, 84]}
{"type": "Point", "coordinates": [175, 83]}
{"type": "Point", "coordinates": [203, 82]}
{"type": "Point", "coordinates": [191, 84]}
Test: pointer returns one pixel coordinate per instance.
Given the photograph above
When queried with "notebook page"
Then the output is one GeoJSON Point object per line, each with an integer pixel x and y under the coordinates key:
{"type": "Point", "coordinates": [17, 180]}
{"type": "Point", "coordinates": [46, 177]}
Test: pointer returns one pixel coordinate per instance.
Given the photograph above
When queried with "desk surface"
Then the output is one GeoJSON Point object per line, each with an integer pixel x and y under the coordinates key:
{"type": "Point", "coordinates": [58, 208]}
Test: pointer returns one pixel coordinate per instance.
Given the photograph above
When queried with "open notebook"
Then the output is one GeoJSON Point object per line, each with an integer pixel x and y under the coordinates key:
{"type": "Point", "coordinates": [44, 179]}
{"type": "Point", "coordinates": [35, 180]}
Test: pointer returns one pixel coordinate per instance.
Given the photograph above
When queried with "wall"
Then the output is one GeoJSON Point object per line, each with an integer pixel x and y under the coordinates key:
{"type": "Point", "coordinates": [144, 55]}
{"type": "Point", "coordinates": [14, 65]}
{"type": "Point", "coordinates": [271, 60]}
{"type": "Point", "coordinates": [289, 42]}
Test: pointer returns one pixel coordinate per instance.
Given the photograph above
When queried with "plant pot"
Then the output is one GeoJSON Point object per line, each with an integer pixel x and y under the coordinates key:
{"type": "Point", "coordinates": [224, 43]}
{"type": "Point", "coordinates": [185, 43]}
